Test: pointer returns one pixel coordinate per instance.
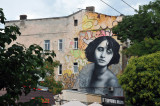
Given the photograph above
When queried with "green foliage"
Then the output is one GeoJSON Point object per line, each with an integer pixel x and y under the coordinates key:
{"type": "Point", "coordinates": [21, 67]}
{"type": "Point", "coordinates": [147, 46]}
{"type": "Point", "coordinates": [2, 17]}
{"type": "Point", "coordinates": [145, 23]}
{"type": "Point", "coordinates": [54, 86]}
{"type": "Point", "coordinates": [141, 80]}
{"type": "Point", "coordinates": [142, 29]}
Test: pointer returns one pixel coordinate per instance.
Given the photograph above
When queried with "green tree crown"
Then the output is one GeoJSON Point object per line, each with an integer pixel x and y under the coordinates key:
{"type": "Point", "coordinates": [141, 80]}
{"type": "Point", "coordinates": [21, 67]}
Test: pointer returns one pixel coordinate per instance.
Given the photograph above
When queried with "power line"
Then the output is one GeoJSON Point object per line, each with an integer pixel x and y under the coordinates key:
{"type": "Point", "coordinates": [129, 5]}
{"type": "Point", "coordinates": [112, 7]}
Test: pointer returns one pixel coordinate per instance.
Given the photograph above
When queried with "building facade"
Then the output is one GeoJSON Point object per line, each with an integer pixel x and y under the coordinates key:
{"type": "Point", "coordinates": [69, 36]}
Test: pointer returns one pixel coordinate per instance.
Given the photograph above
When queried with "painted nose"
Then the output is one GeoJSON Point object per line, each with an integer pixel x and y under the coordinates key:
{"type": "Point", "coordinates": [103, 54]}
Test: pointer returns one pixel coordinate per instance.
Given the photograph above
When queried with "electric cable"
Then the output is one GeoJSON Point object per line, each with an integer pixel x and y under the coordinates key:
{"type": "Point", "coordinates": [112, 7]}
{"type": "Point", "coordinates": [128, 5]}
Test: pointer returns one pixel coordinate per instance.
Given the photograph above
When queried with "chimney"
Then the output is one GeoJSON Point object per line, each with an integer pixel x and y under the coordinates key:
{"type": "Point", "coordinates": [90, 8]}
{"type": "Point", "coordinates": [23, 17]}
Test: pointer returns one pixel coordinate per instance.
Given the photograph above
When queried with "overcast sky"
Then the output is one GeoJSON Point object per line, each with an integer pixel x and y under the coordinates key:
{"type": "Point", "coordinates": [56, 8]}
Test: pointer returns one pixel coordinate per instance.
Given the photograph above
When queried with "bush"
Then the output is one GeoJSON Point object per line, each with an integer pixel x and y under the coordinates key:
{"type": "Point", "coordinates": [141, 80]}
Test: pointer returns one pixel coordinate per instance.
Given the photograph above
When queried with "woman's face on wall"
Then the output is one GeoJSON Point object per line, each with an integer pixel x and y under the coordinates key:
{"type": "Point", "coordinates": [102, 55]}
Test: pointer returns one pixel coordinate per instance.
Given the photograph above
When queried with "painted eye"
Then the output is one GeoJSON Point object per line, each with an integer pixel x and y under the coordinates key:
{"type": "Point", "coordinates": [109, 51]}
{"type": "Point", "coordinates": [100, 49]}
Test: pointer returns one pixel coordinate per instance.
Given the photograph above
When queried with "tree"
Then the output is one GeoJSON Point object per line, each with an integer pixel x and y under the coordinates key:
{"type": "Point", "coordinates": [140, 26]}
{"type": "Point", "coordinates": [145, 23]}
{"type": "Point", "coordinates": [49, 81]}
{"type": "Point", "coordinates": [141, 80]}
{"type": "Point", "coordinates": [21, 67]}
{"type": "Point", "coordinates": [147, 46]}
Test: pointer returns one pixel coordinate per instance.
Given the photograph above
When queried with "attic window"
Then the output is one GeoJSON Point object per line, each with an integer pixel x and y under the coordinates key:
{"type": "Point", "coordinates": [75, 22]}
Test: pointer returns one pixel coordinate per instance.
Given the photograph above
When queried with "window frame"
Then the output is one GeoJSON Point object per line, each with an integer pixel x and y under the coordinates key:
{"type": "Point", "coordinates": [75, 22]}
{"type": "Point", "coordinates": [75, 68]}
{"type": "Point", "coordinates": [47, 45]}
{"type": "Point", "coordinates": [60, 42]}
{"type": "Point", "coordinates": [75, 43]}
{"type": "Point", "coordinates": [60, 69]}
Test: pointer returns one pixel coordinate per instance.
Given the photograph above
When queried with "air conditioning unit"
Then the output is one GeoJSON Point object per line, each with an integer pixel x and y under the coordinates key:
{"type": "Point", "coordinates": [111, 89]}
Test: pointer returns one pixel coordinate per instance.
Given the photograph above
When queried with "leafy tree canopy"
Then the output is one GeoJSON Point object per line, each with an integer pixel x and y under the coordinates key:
{"type": "Point", "coordinates": [49, 81]}
{"type": "Point", "coordinates": [21, 67]}
{"type": "Point", "coordinates": [145, 23]}
{"type": "Point", "coordinates": [147, 46]}
{"type": "Point", "coordinates": [141, 80]}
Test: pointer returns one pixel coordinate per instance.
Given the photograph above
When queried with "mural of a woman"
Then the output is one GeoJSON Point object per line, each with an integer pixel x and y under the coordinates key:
{"type": "Point", "coordinates": [96, 77]}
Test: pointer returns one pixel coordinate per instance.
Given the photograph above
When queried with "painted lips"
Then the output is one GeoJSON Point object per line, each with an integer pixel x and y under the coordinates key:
{"type": "Point", "coordinates": [101, 60]}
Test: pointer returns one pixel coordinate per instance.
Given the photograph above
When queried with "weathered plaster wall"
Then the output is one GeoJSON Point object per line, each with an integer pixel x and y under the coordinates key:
{"type": "Point", "coordinates": [93, 25]}
{"type": "Point", "coordinates": [90, 26]}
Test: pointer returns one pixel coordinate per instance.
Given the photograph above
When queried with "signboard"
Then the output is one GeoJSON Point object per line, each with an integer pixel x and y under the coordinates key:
{"type": "Point", "coordinates": [112, 101]}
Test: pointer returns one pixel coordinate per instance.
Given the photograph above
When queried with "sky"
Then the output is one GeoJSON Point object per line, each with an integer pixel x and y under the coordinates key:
{"type": "Point", "coordinates": [35, 9]}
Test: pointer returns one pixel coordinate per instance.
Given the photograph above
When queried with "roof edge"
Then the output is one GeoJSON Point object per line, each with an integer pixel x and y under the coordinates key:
{"type": "Point", "coordinates": [59, 17]}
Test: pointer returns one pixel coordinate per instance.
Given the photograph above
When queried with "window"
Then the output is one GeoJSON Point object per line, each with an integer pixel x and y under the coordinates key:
{"type": "Point", "coordinates": [75, 66]}
{"type": "Point", "coordinates": [60, 69]}
{"type": "Point", "coordinates": [75, 43]}
{"type": "Point", "coordinates": [47, 45]}
{"type": "Point", "coordinates": [60, 44]}
{"type": "Point", "coordinates": [75, 22]}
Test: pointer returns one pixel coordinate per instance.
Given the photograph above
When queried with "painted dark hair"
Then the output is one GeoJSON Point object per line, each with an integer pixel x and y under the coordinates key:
{"type": "Point", "coordinates": [112, 44]}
